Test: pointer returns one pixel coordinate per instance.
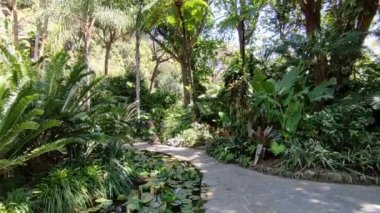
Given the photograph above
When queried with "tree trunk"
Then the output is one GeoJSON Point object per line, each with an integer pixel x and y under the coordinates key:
{"type": "Point", "coordinates": [345, 64]}
{"type": "Point", "coordinates": [241, 34]}
{"type": "Point", "coordinates": [87, 42]}
{"type": "Point", "coordinates": [15, 22]}
{"type": "Point", "coordinates": [106, 58]}
{"type": "Point", "coordinates": [320, 67]}
{"type": "Point", "coordinates": [137, 58]}
{"type": "Point", "coordinates": [44, 33]}
{"type": "Point", "coordinates": [185, 61]}
{"type": "Point", "coordinates": [154, 75]}
{"type": "Point", "coordinates": [186, 81]}
{"type": "Point", "coordinates": [37, 42]}
{"type": "Point", "coordinates": [312, 12]}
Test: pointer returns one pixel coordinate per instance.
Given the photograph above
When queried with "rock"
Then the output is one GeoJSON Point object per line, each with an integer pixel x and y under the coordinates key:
{"type": "Point", "coordinates": [324, 176]}
{"type": "Point", "coordinates": [288, 174]}
{"type": "Point", "coordinates": [309, 174]}
{"type": "Point", "coordinates": [174, 142]}
{"type": "Point", "coordinates": [336, 177]}
{"type": "Point", "coordinates": [154, 139]}
{"type": "Point", "coordinates": [331, 176]}
{"type": "Point", "coordinates": [347, 178]}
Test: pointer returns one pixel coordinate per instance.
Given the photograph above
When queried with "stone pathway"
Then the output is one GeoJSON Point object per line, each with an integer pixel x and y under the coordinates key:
{"type": "Point", "coordinates": [235, 189]}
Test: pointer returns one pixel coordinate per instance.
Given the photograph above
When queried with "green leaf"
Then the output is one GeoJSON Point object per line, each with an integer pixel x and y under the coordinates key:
{"type": "Point", "coordinates": [146, 197]}
{"type": "Point", "coordinates": [288, 81]}
{"type": "Point", "coordinates": [133, 206]}
{"type": "Point", "coordinates": [277, 148]}
{"type": "Point", "coordinates": [323, 91]}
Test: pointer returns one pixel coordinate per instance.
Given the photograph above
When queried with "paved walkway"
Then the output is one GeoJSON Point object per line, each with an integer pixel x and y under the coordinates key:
{"type": "Point", "coordinates": [235, 189]}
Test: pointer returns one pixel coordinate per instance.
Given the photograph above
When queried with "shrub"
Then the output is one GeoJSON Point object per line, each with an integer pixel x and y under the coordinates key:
{"type": "Point", "coordinates": [117, 176]}
{"type": "Point", "coordinates": [17, 201]}
{"type": "Point", "coordinates": [343, 126]}
{"type": "Point", "coordinates": [197, 135]}
{"type": "Point", "coordinates": [63, 191]}
{"type": "Point", "coordinates": [229, 149]}
{"type": "Point", "coordinates": [310, 154]}
{"type": "Point", "coordinates": [170, 122]}
{"type": "Point", "coordinates": [245, 161]}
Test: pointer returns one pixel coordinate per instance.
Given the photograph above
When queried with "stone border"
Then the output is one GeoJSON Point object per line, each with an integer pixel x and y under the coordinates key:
{"type": "Point", "coordinates": [324, 175]}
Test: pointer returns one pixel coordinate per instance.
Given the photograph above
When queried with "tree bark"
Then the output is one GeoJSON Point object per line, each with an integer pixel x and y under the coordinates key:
{"type": "Point", "coordinates": [154, 76]}
{"type": "Point", "coordinates": [87, 42]}
{"type": "Point", "coordinates": [37, 42]}
{"type": "Point", "coordinates": [185, 61]}
{"type": "Point", "coordinates": [312, 12]}
{"type": "Point", "coordinates": [241, 34]}
{"type": "Point", "coordinates": [107, 57]}
{"type": "Point", "coordinates": [345, 64]}
{"type": "Point", "coordinates": [186, 81]}
{"type": "Point", "coordinates": [44, 33]}
{"type": "Point", "coordinates": [137, 58]}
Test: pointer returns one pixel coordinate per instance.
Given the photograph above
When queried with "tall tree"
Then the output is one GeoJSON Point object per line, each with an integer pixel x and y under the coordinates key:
{"type": "Point", "coordinates": [351, 22]}
{"type": "Point", "coordinates": [159, 57]}
{"type": "Point", "coordinates": [176, 25]}
{"type": "Point", "coordinates": [311, 9]}
{"type": "Point", "coordinates": [348, 22]}
{"type": "Point", "coordinates": [113, 22]}
{"type": "Point", "coordinates": [138, 32]}
{"type": "Point", "coordinates": [241, 15]}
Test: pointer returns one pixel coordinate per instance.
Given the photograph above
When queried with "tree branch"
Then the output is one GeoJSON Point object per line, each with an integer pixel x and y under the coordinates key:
{"type": "Point", "coordinates": [163, 46]}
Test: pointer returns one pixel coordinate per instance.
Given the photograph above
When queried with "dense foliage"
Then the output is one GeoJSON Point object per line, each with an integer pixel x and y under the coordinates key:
{"type": "Point", "coordinates": [291, 85]}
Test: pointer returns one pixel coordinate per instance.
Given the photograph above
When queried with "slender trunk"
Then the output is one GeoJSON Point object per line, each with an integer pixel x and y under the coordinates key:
{"type": "Point", "coordinates": [107, 57]}
{"type": "Point", "coordinates": [154, 75]}
{"type": "Point", "coordinates": [15, 22]}
{"type": "Point", "coordinates": [241, 35]}
{"type": "Point", "coordinates": [137, 59]}
{"type": "Point", "coordinates": [87, 42]}
{"type": "Point", "coordinates": [197, 90]}
{"type": "Point", "coordinates": [37, 42]}
{"type": "Point", "coordinates": [44, 32]}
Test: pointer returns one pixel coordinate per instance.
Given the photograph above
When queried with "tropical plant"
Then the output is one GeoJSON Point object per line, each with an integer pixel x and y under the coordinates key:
{"type": "Point", "coordinates": [311, 154]}
{"type": "Point", "coordinates": [283, 102]}
{"type": "Point", "coordinates": [63, 191]}
{"type": "Point", "coordinates": [197, 135]}
{"type": "Point", "coordinates": [19, 126]}
{"type": "Point", "coordinates": [332, 126]}
{"type": "Point", "coordinates": [18, 201]}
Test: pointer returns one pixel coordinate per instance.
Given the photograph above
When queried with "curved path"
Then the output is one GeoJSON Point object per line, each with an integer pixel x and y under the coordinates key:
{"type": "Point", "coordinates": [235, 189]}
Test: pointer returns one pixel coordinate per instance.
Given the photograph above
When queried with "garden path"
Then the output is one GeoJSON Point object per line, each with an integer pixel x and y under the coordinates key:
{"type": "Point", "coordinates": [234, 189]}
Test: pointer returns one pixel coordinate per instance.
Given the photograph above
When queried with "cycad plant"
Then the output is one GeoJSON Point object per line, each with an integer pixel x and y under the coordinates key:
{"type": "Point", "coordinates": [19, 125]}
{"type": "Point", "coordinates": [31, 110]}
